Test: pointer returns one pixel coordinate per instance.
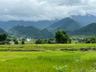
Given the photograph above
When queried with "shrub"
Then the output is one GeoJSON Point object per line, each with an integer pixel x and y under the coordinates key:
{"type": "Point", "coordinates": [62, 37]}
{"type": "Point", "coordinates": [23, 41]}
{"type": "Point", "coordinates": [16, 41]}
{"type": "Point", "coordinates": [41, 41]}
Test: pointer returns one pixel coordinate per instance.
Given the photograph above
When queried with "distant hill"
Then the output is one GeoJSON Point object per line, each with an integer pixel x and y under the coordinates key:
{"type": "Point", "coordinates": [22, 31]}
{"type": "Point", "coordinates": [90, 29]}
{"type": "Point", "coordinates": [29, 32]}
{"type": "Point", "coordinates": [85, 19]}
{"type": "Point", "coordinates": [66, 24]}
{"type": "Point", "coordinates": [38, 24]}
{"type": "Point", "coordinates": [45, 34]}
{"type": "Point", "coordinates": [2, 31]}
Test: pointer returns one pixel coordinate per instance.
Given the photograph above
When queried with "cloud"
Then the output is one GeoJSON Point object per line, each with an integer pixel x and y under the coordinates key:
{"type": "Point", "coordinates": [44, 9]}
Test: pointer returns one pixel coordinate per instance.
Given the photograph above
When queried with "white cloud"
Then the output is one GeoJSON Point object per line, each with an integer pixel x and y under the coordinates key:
{"type": "Point", "coordinates": [44, 9]}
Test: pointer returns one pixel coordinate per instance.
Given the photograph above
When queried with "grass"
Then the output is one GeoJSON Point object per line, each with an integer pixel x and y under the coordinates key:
{"type": "Point", "coordinates": [47, 58]}
{"type": "Point", "coordinates": [40, 47]}
{"type": "Point", "coordinates": [52, 61]}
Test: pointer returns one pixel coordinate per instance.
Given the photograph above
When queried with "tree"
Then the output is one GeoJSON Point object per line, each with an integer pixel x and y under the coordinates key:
{"type": "Point", "coordinates": [23, 41]}
{"type": "Point", "coordinates": [16, 41]}
{"type": "Point", "coordinates": [62, 37]}
{"type": "Point", "coordinates": [3, 37]}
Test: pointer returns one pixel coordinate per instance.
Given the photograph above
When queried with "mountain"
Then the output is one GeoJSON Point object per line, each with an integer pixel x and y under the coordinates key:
{"type": "Point", "coordinates": [90, 29]}
{"type": "Point", "coordinates": [29, 32]}
{"type": "Point", "coordinates": [66, 24]}
{"type": "Point", "coordinates": [85, 19]}
{"type": "Point", "coordinates": [37, 24]}
{"type": "Point", "coordinates": [45, 34]}
{"type": "Point", "coordinates": [42, 24]}
{"type": "Point", "coordinates": [22, 31]}
{"type": "Point", "coordinates": [2, 31]}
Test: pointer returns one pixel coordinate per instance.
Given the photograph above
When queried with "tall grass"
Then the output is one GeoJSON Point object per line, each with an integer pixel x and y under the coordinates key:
{"type": "Point", "coordinates": [37, 47]}
{"type": "Point", "coordinates": [53, 61]}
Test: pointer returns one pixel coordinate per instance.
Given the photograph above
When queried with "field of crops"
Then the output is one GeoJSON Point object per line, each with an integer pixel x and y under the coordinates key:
{"type": "Point", "coordinates": [48, 58]}
{"type": "Point", "coordinates": [49, 61]}
{"type": "Point", "coordinates": [44, 47]}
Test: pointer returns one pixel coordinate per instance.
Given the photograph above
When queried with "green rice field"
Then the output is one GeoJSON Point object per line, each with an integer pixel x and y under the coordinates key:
{"type": "Point", "coordinates": [48, 61]}
{"type": "Point", "coordinates": [44, 47]}
{"type": "Point", "coordinates": [19, 58]}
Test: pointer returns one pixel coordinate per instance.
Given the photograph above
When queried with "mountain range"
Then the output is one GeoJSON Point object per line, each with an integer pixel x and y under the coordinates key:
{"type": "Point", "coordinates": [66, 24]}
{"type": "Point", "coordinates": [30, 32]}
{"type": "Point", "coordinates": [84, 19]}
{"type": "Point", "coordinates": [74, 25]}
{"type": "Point", "coordinates": [86, 30]}
{"type": "Point", "coordinates": [38, 24]}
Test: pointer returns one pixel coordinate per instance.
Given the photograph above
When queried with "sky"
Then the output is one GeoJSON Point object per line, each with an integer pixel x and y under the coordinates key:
{"type": "Point", "coordinates": [34, 10]}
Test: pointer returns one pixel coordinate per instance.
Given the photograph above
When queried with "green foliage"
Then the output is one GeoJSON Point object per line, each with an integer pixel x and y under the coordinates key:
{"type": "Point", "coordinates": [62, 37]}
{"type": "Point", "coordinates": [16, 41]}
{"type": "Point", "coordinates": [41, 41]}
{"type": "Point", "coordinates": [3, 37]}
{"type": "Point", "coordinates": [45, 41]}
{"type": "Point", "coordinates": [23, 41]}
{"type": "Point", "coordinates": [51, 41]}
{"type": "Point", "coordinates": [88, 40]}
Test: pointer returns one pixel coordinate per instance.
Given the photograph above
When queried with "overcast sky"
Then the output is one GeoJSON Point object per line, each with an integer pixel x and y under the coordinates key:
{"type": "Point", "coordinates": [44, 9]}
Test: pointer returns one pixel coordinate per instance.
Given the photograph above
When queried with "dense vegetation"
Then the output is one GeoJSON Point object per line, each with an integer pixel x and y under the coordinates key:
{"type": "Point", "coordinates": [62, 37]}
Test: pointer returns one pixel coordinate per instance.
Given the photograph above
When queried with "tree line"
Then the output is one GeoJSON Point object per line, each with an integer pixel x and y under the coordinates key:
{"type": "Point", "coordinates": [60, 37]}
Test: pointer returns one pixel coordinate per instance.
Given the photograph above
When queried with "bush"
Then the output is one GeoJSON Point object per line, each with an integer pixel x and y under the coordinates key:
{"type": "Point", "coordinates": [51, 41]}
{"type": "Point", "coordinates": [23, 41]}
{"type": "Point", "coordinates": [16, 41]}
{"type": "Point", "coordinates": [41, 41]}
{"type": "Point", "coordinates": [62, 37]}
{"type": "Point", "coordinates": [3, 37]}
{"type": "Point", "coordinates": [89, 40]}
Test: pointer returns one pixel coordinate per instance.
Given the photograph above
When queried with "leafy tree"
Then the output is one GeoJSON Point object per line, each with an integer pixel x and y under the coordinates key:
{"type": "Point", "coordinates": [3, 37]}
{"type": "Point", "coordinates": [16, 41]}
{"type": "Point", "coordinates": [62, 37]}
{"type": "Point", "coordinates": [23, 41]}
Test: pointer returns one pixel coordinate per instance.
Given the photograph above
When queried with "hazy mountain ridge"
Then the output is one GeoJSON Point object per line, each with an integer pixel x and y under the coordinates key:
{"type": "Point", "coordinates": [66, 24]}
{"type": "Point", "coordinates": [38, 24]}
{"type": "Point", "coordinates": [30, 32]}
{"type": "Point", "coordinates": [46, 29]}
{"type": "Point", "coordinates": [22, 31]}
{"type": "Point", "coordinates": [85, 19]}
{"type": "Point", "coordinates": [2, 31]}
{"type": "Point", "coordinates": [86, 30]}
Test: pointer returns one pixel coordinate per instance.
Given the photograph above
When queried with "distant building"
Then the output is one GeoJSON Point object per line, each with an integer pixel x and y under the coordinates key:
{"type": "Point", "coordinates": [28, 39]}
